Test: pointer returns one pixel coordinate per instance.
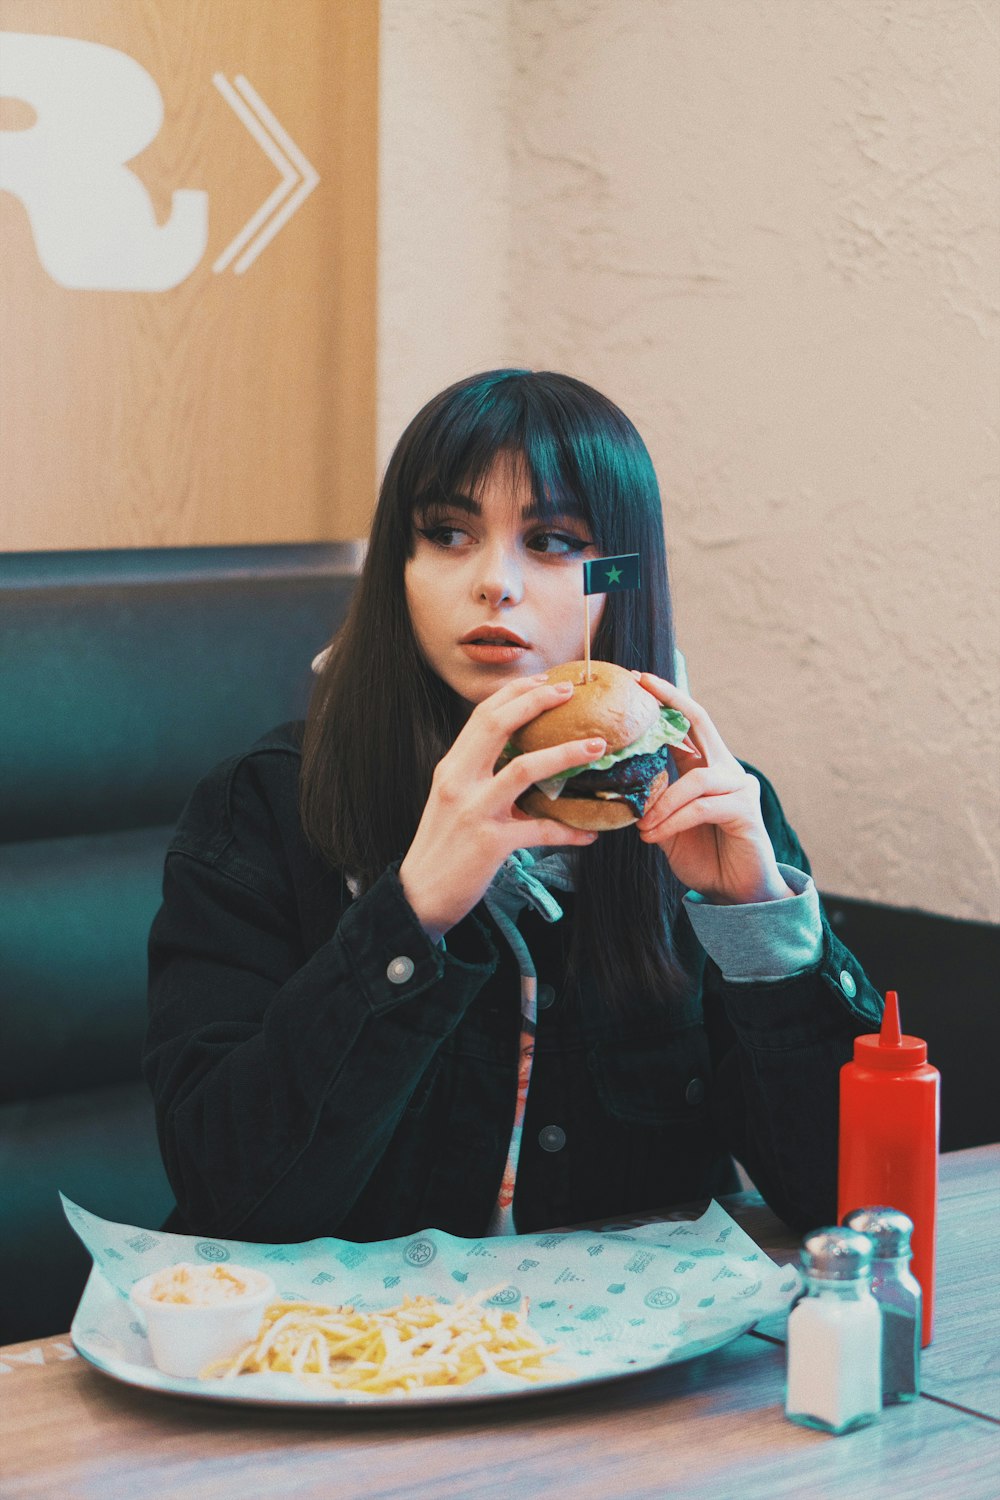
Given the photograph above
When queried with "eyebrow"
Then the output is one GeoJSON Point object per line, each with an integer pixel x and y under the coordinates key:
{"type": "Point", "coordinates": [471, 507]}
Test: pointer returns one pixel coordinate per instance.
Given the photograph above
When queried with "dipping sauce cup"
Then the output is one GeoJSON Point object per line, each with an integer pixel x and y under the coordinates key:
{"type": "Point", "coordinates": [194, 1315]}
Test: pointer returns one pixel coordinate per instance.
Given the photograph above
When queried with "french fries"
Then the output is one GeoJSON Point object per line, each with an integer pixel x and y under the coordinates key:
{"type": "Point", "coordinates": [422, 1342]}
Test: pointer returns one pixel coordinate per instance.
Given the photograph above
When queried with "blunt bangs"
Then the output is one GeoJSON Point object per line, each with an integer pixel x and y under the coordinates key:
{"type": "Point", "coordinates": [580, 454]}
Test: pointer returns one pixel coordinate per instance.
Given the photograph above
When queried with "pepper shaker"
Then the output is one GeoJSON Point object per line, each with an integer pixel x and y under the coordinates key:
{"type": "Point", "coordinates": [897, 1292]}
{"type": "Point", "coordinates": [834, 1351]}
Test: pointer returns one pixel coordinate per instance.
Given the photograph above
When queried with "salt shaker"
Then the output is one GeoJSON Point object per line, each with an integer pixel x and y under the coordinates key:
{"type": "Point", "coordinates": [834, 1368]}
{"type": "Point", "coordinates": [897, 1292]}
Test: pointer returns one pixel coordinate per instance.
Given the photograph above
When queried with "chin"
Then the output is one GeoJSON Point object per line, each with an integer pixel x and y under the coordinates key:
{"type": "Point", "coordinates": [477, 683]}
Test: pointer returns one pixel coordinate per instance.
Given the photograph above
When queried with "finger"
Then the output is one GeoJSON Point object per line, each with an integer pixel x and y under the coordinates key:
{"type": "Point", "coordinates": [686, 748]}
{"type": "Point", "coordinates": [535, 831]}
{"type": "Point", "coordinates": [706, 812]}
{"type": "Point", "coordinates": [703, 732]}
{"type": "Point", "coordinates": [538, 765]}
{"type": "Point", "coordinates": [661, 786]}
{"type": "Point", "coordinates": [493, 721]}
{"type": "Point", "coordinates": [704, 781]}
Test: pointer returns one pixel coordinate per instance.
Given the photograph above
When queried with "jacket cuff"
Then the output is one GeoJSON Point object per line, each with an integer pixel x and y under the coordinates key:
{"type": "Point", "coordinates": [394, 960]}
{"type": "Point", "coordinates": [834, 998]}
{"type": "Point", "coordinates": [765, 941]}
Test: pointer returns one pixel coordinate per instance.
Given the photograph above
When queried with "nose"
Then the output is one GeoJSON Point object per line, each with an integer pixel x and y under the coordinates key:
{"type": "Point", "coordinates": [498, 578]}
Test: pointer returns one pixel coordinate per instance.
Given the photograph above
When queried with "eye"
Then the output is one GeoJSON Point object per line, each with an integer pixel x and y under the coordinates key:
{"type": "Point", "coordinates": [558, 543]}
{"type": "Point", "coordinates": [440, 535]}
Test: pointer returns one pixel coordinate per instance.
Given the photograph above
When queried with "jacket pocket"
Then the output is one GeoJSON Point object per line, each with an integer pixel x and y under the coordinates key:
{"type": "Point", "coordinates": [417, 1101]}
{"type": "Point", "coordinates": [660, 1080]}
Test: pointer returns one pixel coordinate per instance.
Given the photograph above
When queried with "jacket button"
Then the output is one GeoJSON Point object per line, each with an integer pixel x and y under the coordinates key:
{"type": "Point", "coordinates": [400, 970]}
{"type": "Point", "coordinates": [695, 1091]}
{"type": "Point", "coordinates": [546, 996]}
{"type": "Point", "coordinates": [848, 985]}
{"type": "Point", "coordinates": [552, 1138]}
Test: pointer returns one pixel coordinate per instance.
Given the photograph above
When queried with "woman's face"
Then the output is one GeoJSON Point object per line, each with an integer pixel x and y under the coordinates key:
{"type": "Point", "coordinates": [495, 592]}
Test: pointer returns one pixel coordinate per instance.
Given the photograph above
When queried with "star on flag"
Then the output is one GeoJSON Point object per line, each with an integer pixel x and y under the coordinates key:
{"type": "Point", "coordinates": [605, 575]}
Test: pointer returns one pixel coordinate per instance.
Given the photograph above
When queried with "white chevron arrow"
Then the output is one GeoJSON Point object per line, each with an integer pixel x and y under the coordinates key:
{"type": "Point", "coordinates": [298, 176]}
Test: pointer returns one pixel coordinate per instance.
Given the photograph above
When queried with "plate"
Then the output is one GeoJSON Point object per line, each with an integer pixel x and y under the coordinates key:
{"type": "Point", "coordinates": [105, 1335]}
{"type": "Point", "coordinates": [616, 1301]}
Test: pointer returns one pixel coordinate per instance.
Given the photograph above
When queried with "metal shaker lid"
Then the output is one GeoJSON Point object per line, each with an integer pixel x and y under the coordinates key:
{"type": "Point", "coordinates": [889, 1229]}
{"type": "Point", "coordinates": [835, 1254]}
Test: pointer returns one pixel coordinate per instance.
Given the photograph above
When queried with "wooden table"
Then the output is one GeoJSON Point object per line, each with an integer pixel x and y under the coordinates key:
{"type": "Point", "coordinates": [712, 1427]}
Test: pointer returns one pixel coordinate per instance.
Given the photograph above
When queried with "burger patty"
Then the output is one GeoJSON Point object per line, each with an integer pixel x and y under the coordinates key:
{"type": "Point", "coordinates": [629, 779]}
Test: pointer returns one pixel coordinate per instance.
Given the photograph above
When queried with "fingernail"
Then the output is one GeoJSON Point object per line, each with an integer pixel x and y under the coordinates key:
{"type": "Point", "coordinates": [563, 687]}
{"type": "Point", "coordinates": [593, 746]}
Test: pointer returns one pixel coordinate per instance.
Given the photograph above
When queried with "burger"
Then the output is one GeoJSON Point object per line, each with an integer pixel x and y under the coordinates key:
{"type": "Point", "coordinates": [611, 792]}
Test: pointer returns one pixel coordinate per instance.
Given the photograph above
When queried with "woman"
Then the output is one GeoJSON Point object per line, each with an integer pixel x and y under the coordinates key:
{"type": "Point", "coordinates": [383, 999]}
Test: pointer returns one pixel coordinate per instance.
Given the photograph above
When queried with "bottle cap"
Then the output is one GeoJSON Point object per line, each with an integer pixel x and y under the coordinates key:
{"type": "Point", "coordinates": [889, 1048]}
{"type": "Point", "coordinates": [835, 1254]}
{"type": "Point", "coordinates": [889, 1229]}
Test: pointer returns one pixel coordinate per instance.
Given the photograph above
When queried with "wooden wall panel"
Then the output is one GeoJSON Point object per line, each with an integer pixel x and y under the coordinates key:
{"type": "Point", "coordinates": [232, 407]}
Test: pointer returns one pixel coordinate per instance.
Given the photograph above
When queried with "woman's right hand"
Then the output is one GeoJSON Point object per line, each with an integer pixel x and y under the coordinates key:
{"type": "Point", "coordinates": [470, 824]}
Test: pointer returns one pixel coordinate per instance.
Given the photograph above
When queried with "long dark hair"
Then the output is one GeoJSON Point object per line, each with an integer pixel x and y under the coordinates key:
{"type": "Point", "coordinates": [380, 719]}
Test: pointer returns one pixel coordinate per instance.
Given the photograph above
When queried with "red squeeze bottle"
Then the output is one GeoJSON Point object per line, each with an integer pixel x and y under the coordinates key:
{"type": "Point", "coordinates": [889, 1129]}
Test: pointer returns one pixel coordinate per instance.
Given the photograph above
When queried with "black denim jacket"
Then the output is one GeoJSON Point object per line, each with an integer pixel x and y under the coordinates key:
{"type": "Point", "coordinates": [306, 1083]}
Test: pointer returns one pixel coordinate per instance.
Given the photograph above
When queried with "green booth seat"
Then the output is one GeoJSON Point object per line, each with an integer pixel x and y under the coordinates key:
{"type": "Point", "coordinates": [98, 1146]}
{"type": "Point", "coordinates": [124, 677]}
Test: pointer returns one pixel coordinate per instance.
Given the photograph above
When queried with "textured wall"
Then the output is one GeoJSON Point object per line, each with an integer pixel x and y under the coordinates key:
{"type": "Point", "coordinates": [769, 230]}
{"type": "Point", "coordinates": [444, 200]}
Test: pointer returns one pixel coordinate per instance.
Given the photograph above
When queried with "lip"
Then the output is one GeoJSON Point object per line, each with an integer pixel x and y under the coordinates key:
{"type": "Point", "coordinates": [492, 653]}
{"type": "Point", "coordinates": [493, 646]}
{"type": "Point", "coordinates": [493, 635]}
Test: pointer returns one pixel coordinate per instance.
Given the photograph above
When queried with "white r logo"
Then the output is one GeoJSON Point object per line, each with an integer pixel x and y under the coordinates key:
{"type": "Point", "coordinates": [92, 219]}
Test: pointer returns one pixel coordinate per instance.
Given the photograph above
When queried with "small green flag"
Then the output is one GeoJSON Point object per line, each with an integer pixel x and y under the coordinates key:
{"type": "Point", "coordinates": [603, 575]}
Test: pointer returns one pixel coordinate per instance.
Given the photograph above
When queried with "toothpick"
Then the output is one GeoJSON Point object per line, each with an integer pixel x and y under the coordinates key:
{"type": "Point", "coordinates": [586, 638]}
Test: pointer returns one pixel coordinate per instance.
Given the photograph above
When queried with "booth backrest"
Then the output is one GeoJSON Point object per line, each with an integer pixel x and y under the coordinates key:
{"type": "Point", "coordinates": [124, 677]}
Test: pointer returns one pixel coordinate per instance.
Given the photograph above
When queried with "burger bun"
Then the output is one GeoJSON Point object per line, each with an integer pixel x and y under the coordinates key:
{"type": "Point", "coordinates": [596, 816]}
{"type": "Point", "coordinates": [611, 705]}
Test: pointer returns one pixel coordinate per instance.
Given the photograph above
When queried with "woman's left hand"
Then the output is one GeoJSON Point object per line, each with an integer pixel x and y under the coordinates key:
{"type": "Point", "coordinates": [708, 822]}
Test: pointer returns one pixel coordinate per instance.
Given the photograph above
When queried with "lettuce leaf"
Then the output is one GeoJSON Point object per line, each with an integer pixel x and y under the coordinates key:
{"type": "Point", "coordinates": [668, 728]}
